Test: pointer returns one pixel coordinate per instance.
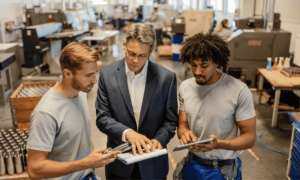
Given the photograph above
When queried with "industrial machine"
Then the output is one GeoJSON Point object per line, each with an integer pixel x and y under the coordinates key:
{"type": "Point", "coordinates": [75, 23]}
{"type": "Point", "coordinates": [255, 41]}
{"type": "Point", "coordinates": [249, 49]}
{"type": "Point", "coordinates": [249, 23]}
{"type": "Point", "coordinates": [178, 26]}
{"type": "Point", "coordinates": [36, 43]}
{"type": "Point", "coordinates": [197, 21]}
{"type": "Point", "coordinates": [39, 52]}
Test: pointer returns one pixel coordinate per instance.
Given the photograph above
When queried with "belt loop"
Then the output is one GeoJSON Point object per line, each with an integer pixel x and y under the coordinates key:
{"type": "Point", "coordinates": [192, 155]}
{"type": "Point", "coordinates": [215, 164]}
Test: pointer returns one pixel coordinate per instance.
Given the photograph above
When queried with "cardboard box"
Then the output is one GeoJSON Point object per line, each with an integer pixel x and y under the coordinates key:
{"type": "Point", "coordinates": [165, 50]}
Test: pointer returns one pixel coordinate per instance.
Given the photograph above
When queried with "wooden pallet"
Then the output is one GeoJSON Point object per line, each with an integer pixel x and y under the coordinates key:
{"type": "Point", "coordinates": [162, 56]}
{"type": "Point", "coordinates": [22, 176]}
{"type": "Point", "coordinates": [283, 107]}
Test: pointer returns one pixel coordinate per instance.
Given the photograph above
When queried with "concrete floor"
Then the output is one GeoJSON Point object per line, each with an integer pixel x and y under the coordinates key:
{"type": "Point", "coordinates": [258, 163]}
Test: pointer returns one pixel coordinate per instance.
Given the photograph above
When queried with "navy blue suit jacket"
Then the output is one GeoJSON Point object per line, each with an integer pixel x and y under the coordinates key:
{"type": "Point", "coordinates": [158, 118]}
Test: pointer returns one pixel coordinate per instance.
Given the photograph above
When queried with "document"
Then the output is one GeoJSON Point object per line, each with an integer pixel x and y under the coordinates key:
{"type": "Point", "coordinates": [129, 158]}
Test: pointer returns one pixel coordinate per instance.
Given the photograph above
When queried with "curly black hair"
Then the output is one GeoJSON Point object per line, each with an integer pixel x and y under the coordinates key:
{"type": "Point", "coordinates": [207, 47]}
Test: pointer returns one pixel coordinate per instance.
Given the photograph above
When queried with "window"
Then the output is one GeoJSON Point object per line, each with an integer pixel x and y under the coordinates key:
{"type": "Point", "coordinates": [194, 4]}
{"type": "Point", "coordinates": [139, 2]}
{"type": "Point", "coordinates": [216, 4]}
{"type": "Point", "coordinates": [101, 2]}
{"type": "Point", "coordinates": [149, 2]}
{"type": "Point", "coordinates": [186, 5]}
{"type": "Point", "coordinates": [231, 6]}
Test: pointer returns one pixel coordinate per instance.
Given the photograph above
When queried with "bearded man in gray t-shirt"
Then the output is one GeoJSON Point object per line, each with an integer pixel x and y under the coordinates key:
{"type": "Point", "coordinates": [59, 145]}
{"type": "Point", "coordinates": [213, 105]}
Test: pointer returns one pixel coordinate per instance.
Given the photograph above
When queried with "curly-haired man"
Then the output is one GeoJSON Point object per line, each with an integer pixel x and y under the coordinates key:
{"type": "Point", "coordinates": [213, 105]}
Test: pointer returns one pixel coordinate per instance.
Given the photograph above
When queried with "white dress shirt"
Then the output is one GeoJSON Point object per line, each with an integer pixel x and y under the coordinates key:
{"type": "Point", "coordinates": [136, 88]}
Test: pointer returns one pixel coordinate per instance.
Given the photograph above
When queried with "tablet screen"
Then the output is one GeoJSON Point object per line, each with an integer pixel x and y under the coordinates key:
{"type": "Point", "coordinates": [185, 146]}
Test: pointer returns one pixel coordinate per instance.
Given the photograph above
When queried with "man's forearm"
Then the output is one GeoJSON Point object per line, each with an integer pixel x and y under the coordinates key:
{"type": "Point", "coordinates": [242, 142]}
{"type": "Point", "coordinates": [182, 129]}
{"type": "Point", "coordinates": [51, 169]}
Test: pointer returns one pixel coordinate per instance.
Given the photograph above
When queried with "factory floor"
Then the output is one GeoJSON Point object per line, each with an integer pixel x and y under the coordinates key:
{"type": "Point", "coordinates": [258, 162]}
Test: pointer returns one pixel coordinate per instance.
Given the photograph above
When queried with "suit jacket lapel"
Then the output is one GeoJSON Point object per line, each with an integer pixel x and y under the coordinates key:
{"type": "Point", "coordinates": [149, 89]}
{"type": "Point", "coordinates": [122, 82]}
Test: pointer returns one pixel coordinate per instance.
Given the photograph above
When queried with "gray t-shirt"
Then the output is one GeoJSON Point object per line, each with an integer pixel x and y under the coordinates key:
{"type": "Point", "coordinates": [214, 110]}
{"type": "Point", "coordinates": [61, 126]}
{"type": "Point", "coordinates": [225, 33]}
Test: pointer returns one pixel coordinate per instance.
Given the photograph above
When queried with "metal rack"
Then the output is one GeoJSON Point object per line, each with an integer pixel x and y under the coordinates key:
{"type": "Point", "coordinates": [13, 153]}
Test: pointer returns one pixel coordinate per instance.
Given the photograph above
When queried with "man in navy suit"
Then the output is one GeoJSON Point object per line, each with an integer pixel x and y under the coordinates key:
{"type": "Point", "coordinates": [137, 102]}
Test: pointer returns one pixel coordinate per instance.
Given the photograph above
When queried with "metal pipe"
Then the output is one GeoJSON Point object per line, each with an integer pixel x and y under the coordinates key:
{"type": "Point", "coordinates": [11, 142]}
{"type": "Point", "coordinates": [270, 21]}
{"type": "Point", "coordinates": [9, 163]}
{"type": "Point", "coordinates": [10, 131]}
{"type": "Point", "coordinates": [25, 130]}
{"type": "Point", "coordinates": [7, 136]}
{"type": "Point", "coordinates": [18, 161]}
{"type": "Point", "coordinates": [24, 152]}
{"type": "Point", "coordinates": [2, 164]}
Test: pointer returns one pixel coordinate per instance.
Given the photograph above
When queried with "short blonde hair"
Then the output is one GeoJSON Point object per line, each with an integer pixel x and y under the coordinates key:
{"type": "Point", "coordinates": [74, 54]}
{"type": "Point", "coordinates": [142, 33]}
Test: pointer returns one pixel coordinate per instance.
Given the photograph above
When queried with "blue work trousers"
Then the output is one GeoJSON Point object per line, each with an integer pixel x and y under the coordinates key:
{"type": "Point", "coordinates": [193, 170]}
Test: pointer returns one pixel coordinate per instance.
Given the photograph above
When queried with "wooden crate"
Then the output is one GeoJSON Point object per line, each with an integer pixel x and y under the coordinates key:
{"type": "Point", "coordinates": [165, 57]}
{"type": "Point", "coordinates": [23, 106]}
{"type": "Point", "coordinates": [23, 176]}
{"type": "Point", "coordinates": [23, 126]}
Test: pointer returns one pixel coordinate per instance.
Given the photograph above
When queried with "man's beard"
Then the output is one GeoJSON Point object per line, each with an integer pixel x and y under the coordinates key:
{"type": "Point", "coordinates": [202, 83]}
{"type": "Point", "coordinates": [78, 86]}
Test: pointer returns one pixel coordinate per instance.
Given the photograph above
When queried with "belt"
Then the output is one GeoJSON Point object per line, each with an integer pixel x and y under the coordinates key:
{"type": "Point", "coordinates": [211, 163]}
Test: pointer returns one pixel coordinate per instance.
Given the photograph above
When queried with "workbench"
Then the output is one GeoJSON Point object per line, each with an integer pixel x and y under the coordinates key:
{"type": "Point", "coordinates": [279, 82]}
{"type": "Point", "coordinates": [17, 64]}
{"type": "Point", "coordinates": [111, 36]}
{"type": "Point", "coordinates": [293, 171]}
{"type": "Point", "coordinates": [6, 59]}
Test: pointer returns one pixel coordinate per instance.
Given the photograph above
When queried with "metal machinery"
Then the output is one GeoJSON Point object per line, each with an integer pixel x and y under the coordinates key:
{"type": "Point", "coordinates": [254, 41]}
{"type": "Point", "coordinates": [37, 48]}
{"type": "Point", "coordinates": [249, 23]}
{"type": "Point", "coordinates": [47, 34]}
{"type": "Point", "coordinates": [178, 26]}
{"type": "Point", "coordinates": [197, 21]}
{"type": "Point", "coordinates": [249, 50]}
{"type": "Point", "coordinates": [75, 22]}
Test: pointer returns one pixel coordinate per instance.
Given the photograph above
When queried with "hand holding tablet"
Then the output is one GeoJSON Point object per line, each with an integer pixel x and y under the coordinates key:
{"type": "Point", "coordinates": [185, 146]}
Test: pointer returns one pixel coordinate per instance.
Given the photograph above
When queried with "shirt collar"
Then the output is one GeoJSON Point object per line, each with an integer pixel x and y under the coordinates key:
{"type": "Point", "coordinates": [144, 70]}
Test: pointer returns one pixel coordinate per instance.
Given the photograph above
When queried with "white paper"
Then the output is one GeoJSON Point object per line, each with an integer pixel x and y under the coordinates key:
{"type": "Point", "coordinates": [129, 158]}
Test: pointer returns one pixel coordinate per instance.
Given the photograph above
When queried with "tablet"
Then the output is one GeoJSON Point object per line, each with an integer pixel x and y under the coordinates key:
{"type": "Point", "coordinates": [185, 146]}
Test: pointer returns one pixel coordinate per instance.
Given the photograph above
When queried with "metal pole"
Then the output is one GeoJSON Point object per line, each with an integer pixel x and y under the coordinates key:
{"type": "Point", "coordinates": [63, 5]}
{"type": "Point", "coordinates": [70, 4]}
{"type": "Point", "coordinates": [52, 4]}
{"type": "Point", "coordinates": [270, 15]}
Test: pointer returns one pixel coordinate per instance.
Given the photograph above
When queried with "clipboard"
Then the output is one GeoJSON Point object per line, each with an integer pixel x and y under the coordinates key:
{"type": "Point", "coordinates": [185, 146]}
{"type": "Point", "coordinates": [129, 158]}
